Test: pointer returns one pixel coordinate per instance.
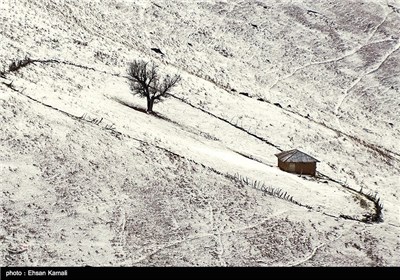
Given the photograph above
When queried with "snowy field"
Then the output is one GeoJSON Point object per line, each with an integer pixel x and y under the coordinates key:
{"type": "Point", "coordinates": [88, 178]}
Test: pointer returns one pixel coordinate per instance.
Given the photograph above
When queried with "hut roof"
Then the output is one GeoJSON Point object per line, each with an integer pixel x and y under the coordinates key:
{"type": "Point", "coordinates": [295, 156]}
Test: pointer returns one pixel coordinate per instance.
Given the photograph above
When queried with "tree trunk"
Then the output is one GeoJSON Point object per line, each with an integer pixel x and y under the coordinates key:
{"type": "Point", "coordinates": [150, 103]}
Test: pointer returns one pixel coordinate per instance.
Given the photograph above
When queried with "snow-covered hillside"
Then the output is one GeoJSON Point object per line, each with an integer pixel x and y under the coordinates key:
{"type": "Point", "coordinates": [88, 178]}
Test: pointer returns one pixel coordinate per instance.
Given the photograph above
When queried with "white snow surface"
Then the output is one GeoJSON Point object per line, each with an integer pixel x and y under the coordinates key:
{"type": "Point", "coordinates": [140, 189]}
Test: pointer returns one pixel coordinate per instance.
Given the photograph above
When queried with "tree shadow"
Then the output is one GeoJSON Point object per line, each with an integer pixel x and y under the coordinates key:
{"type": "Point", "coordinates": [130, 105]}
{"type": "Point", "coordinates": [164, 118]}
{"type": "Point", "coordinates": [143, 110]}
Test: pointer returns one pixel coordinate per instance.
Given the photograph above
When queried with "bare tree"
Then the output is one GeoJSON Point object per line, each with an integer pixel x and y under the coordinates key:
{"type": "Point", "coordinates": [146, 82]}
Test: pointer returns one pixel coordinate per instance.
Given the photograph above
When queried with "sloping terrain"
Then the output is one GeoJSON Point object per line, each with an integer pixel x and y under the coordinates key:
{"type": "Point", "coordinates": [89, 179]}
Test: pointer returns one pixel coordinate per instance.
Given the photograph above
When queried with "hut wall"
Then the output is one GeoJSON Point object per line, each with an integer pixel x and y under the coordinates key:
{"type": "Point", "coordinates": [298, 167]}
{"type": "Point", "coordinates": [306, 168]}
{"type": "Point", "coordinates": [283, 165]}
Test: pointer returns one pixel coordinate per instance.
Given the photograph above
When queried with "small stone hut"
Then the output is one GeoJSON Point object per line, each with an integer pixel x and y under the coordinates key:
{"type": "Point", "coordinates": [295, 161]}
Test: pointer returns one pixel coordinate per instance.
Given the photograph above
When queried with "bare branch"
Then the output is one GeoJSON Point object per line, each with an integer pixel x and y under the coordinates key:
{"type": "Point", "coordinates": [167, 84]}
{"type": "Point", "coordinates": [145, 81]}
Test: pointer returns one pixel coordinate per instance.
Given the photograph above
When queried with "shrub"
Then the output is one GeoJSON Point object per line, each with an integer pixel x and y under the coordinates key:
{"type": "Point", "coordinates": [16, 65]}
